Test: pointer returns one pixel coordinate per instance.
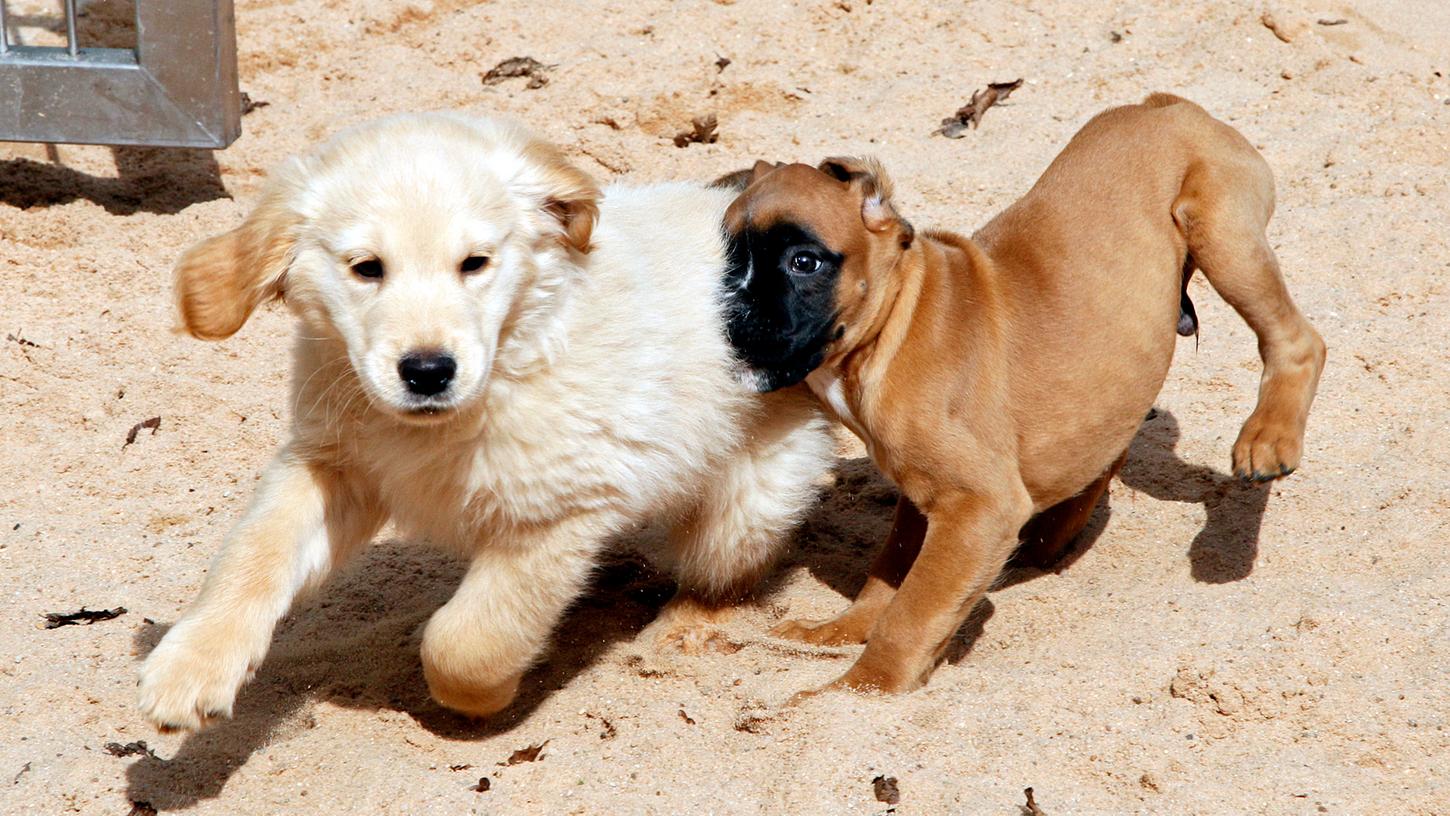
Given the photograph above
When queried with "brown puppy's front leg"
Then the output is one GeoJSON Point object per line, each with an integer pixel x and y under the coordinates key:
{"type": "Point", "coordinates": [891, 566]}
{"type": "Point", "coordinates": [968, 540]}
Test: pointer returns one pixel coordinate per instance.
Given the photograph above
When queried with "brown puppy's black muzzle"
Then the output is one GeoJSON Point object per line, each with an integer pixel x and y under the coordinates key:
{"type": "Point", "coordinates": [779, 322]}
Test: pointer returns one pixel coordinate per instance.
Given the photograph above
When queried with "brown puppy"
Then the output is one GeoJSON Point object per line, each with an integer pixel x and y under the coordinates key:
{"type": "Point", "coordinates": [999, 379]}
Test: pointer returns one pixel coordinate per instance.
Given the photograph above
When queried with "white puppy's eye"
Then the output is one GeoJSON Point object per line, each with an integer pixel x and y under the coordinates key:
{"type": "Point", "coordinates": [368, 268]}
{"type": "Point", "coordinates": [473, 263]}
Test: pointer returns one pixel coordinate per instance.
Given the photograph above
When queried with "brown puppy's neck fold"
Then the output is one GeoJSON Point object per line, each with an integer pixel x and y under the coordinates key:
{"type": "Point", "coordinates": [938, 265]}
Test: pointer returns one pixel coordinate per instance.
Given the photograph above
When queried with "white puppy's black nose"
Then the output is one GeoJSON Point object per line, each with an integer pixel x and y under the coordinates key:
{"type": "Point", "coordinates": [427, 373]}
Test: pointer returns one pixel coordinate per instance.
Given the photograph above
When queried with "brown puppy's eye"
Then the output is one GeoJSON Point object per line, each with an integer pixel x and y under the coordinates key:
{"type": "Point", "coordinates": [473, 263]}
{"type": "Point", "coordinates": [804, 263]}
{"type": "Point", "coordinates": [370, 268]}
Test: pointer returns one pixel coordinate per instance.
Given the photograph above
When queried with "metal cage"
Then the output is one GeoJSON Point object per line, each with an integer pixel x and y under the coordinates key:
{"type": "Point", "coordinates": [176, 88]}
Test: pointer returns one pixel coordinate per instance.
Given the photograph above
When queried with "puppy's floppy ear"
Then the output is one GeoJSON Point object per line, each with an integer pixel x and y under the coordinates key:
{"type": "Point", "coordinates": [569, 194]}
{"type": "Point", "coordinates": [867, 176]}
{"type": "Point", "coordinates": [740, 179]}
{"type": "Point", "coordinates": [222, 280]}
{"type": "Point", "coordinates": [762, 168]}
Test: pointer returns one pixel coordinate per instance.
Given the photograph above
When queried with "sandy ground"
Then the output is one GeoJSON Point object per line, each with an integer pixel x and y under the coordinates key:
{"type": "Point", "coordinates": [1208, 649]}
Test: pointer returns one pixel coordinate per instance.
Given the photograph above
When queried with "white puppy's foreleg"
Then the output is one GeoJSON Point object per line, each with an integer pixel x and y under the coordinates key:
{"type": "Point", "coordinates": [477, 646]}
{"type": "Point", "coordinates": [304, 521]}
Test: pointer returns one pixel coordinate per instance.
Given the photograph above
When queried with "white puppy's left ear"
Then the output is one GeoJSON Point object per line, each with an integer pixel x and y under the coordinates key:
{"type": "Point", "coordinates": [569, 195]}
{"type": "Point", "coordinates": [222, 280]}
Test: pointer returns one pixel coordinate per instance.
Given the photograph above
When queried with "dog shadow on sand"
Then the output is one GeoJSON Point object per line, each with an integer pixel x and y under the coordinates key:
{"type": "Point", "coordinates": [355, 643]}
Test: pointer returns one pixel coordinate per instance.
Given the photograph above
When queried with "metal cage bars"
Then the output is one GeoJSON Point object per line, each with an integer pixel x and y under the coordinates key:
{"type": "Point", "coordinates": [177, 88]}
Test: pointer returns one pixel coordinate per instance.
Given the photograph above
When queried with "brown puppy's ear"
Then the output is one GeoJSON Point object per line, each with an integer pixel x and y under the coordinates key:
{"type": "Point", "coordinates": [740, 179]}
{"type": "Point", "coordinates": [763, 167]}
{"type": "Point", "coordinates": [866, 175]}
{"type": "Point", "coordinates": [222, 280]}
{"type": "Point", "coordinates": [570, 195]}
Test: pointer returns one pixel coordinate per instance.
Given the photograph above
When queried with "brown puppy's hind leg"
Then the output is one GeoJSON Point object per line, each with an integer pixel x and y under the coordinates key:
{"type": "Point", "coordinates": [1046, 537]}
{"type": "Point", "coordinates": [908, 528]}
{"type": "Point", "coordinates": [1223, 215]}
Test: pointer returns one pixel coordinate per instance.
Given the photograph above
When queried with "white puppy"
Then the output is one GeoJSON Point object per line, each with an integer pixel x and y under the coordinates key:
{"type": "Point", "coordinates": [485, 365]}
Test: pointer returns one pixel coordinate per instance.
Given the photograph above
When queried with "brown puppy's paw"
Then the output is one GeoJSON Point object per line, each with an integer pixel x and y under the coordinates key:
{"type": "Point", "coordinates": [852, 681]}
{"type": "Point", "coordinates": [836, 632]}
{"type": "Point", "coordinates": [1267, 449]}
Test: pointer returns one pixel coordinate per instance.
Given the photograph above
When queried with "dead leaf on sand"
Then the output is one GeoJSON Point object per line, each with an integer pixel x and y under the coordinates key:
{"type": "Point", "coordinates": [529, 754]}
{"type": "Point", "coordinates": [137, 748]}
{"type": "Point", "coordinates": [515, 67]}
{"type": "Point", "coordinates": [886, 790]}
{"type": "Point", "coordinates": [702, 131]}
{"type": "Point", "coordinates": [970, 114]}
{"type": "Point", "coordinates": [85, 617]}
{"type": "Point", "coordinates": [249, 104]}
{"type": "Point", "coordinates": [154, 423]}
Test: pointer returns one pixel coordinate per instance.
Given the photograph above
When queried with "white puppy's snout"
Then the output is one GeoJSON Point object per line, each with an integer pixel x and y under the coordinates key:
{"type": "Point", "coordinates": [427, 372]}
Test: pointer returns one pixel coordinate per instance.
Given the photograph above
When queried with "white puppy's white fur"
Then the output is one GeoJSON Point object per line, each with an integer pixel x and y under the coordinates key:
{"type": "Point", "coordinates": [594, 391]}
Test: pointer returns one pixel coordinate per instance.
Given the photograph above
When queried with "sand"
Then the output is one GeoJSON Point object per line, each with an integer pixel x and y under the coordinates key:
{"type": "Point", "coordinates": [1209, 649]}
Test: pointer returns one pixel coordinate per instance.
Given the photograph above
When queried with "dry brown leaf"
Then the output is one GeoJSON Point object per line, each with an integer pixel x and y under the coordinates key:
{"type": "Point", "coordinates": [970, 114]}
{"type": "Point", "coordinates": [529, 754]}
{"type": "Point", "coordinates": [519, 67]}
{"type": "Point", "coordinates": [154, 423]}
{"type": "Point", "coordinates": [702, 131]}
{"type": "Point", "coordinates": [886, 790]}
{"type": "Point", "coordinates": [85, 617]}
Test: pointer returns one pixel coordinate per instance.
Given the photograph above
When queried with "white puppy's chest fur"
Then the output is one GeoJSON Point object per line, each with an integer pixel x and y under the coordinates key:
{"type": "Point", "coordinates": [631, 416]}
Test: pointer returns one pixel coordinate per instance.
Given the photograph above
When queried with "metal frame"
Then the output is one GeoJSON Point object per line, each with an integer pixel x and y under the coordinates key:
{"type": "Point", "coordinates": [178, 88]}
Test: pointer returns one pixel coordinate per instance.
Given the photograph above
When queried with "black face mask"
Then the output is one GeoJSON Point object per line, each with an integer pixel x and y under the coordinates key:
{"type": "Point", "coordinates": [780, 302]}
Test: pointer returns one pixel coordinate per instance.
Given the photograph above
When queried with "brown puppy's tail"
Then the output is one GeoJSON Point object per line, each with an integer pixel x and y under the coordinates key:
{"type": "Point", "coordinates": [1187, 315]}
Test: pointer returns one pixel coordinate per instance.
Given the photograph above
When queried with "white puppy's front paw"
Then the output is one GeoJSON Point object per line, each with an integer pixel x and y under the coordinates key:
{"type": "Point", "coordinates": [191, 679]}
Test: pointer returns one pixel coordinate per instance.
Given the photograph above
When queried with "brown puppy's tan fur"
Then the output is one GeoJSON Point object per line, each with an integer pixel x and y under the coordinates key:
{"type": "Point", "coordinates": [1000, 379]}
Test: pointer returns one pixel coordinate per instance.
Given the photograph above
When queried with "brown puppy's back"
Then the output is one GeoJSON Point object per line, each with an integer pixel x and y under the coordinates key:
{"type": "Point", "coordinates": [1109, 314]}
